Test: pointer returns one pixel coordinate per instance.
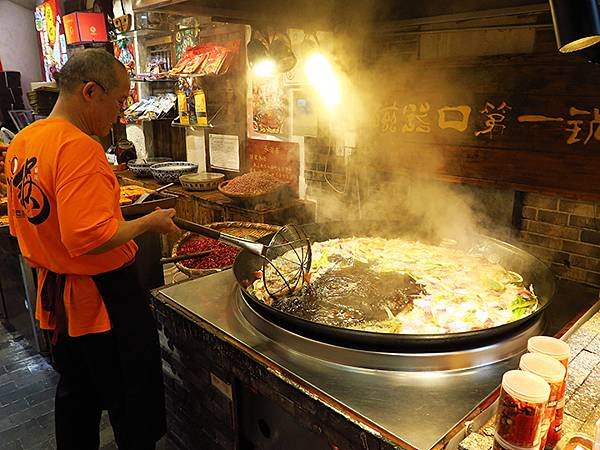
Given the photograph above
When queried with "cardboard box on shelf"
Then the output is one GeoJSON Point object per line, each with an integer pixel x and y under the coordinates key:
{"type": "Point", "coordinates": [85, 27]}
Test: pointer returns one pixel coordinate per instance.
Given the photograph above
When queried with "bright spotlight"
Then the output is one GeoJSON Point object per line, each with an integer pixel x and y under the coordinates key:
{"type": "Point", "coordinates": [322, 77]}
{"type": "Point", "coordinates": [264, 68]}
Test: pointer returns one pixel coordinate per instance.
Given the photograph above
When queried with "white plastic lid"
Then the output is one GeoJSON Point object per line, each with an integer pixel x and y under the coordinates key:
{"type": "Point", "coordinates": [526, 386]}
{"type": "Point", "coordinates": [549, 346]}
{"type": "Point", "coordinates": [544, 366]}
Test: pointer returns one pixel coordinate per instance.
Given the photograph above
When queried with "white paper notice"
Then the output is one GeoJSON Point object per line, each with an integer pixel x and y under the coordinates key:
{"type": "Point", "coordinates": [224, 152]}
{"type": "Point", "coordinates": [135, 134]}
{"type": "Point", "coordinates": [195, 148]}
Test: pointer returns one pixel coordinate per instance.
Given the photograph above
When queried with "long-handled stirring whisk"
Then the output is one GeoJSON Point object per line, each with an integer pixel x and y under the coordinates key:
{"type": "Point", "coordinates": [286, 259]}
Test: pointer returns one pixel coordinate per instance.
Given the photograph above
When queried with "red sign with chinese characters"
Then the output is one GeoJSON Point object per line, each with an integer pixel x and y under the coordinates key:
{"type": "Point", "coordinates": [280, 159]}
{"type": "Point", "coordinates": [85, 27]}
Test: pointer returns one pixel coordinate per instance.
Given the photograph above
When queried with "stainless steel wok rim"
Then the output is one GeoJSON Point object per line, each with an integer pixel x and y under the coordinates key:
{"type": "Point", "coordinates": [395, 361]}
{"type": "Point", "coordinates": [411, 336]}
{"type": "Point", "coordinates": [531, 267]}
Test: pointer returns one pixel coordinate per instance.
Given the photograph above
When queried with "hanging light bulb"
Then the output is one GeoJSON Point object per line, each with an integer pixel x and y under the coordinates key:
{"type": "Point", "coordinates": [322, 77]}
{"type": "Point", "coordinates": [265, 68]}
{"type": "Point", "coordinates": [576, 24]}
{"type": "Point", "coordinates": [319, 71]}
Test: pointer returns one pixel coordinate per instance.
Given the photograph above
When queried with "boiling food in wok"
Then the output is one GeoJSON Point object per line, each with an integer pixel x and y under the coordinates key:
{"type": "Point", "coordinates": [399, 286]}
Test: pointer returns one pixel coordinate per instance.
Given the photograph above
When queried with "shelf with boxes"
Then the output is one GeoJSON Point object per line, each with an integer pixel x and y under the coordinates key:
{"type": "Point", "coordinates": [214, 121]}
{"type": "Point", "coordinates": [200, 65]}
{"type": "Point", "coordinates": [153, 80]}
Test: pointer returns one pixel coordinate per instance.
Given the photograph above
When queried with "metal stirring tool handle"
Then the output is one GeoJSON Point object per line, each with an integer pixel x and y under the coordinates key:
{"type": "Point", "coordinates": [250, 246]}
{"type": "Point", "coordinates": [142, 198]}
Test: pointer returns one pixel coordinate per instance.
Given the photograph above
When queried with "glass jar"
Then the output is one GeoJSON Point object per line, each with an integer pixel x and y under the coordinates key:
{"type": "Point", "coordinates": [521, 408]}
{"type": "Point", "coordinates": [125, 151]}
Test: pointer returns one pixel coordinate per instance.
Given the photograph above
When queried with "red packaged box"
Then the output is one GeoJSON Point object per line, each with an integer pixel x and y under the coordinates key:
{"type": "Point", "coordinates": [85, 27]}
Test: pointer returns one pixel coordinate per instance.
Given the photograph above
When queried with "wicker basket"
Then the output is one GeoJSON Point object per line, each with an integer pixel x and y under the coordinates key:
{"type": "Point", "coordinates": [246, 230]}
{"type": "Point", "coordinates": [266, 200]}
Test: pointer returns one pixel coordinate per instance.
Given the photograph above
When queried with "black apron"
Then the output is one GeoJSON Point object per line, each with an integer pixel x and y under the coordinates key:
{"type": "Point", "coordinates": [142, 405]}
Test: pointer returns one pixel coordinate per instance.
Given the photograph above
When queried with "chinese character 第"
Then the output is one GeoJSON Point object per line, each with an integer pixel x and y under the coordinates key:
{"type": "Point", "coordinates": [495, 118]}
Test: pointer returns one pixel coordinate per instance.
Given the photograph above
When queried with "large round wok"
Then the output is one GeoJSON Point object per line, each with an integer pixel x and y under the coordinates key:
{"type": "Point", "coordinates": [512, 258]}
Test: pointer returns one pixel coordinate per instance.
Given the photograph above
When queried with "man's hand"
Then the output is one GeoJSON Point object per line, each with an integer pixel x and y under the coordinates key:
{"type": "Point", "coordinates": [160, 221]}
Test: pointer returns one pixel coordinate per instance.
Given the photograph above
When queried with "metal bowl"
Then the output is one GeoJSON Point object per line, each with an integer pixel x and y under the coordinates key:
{"type": "Point", "coordinates": [169, 172]}
{"type": "Point", "coordinates": [141, 167]}
{"type": "Point", "coordinates": [204, 181]}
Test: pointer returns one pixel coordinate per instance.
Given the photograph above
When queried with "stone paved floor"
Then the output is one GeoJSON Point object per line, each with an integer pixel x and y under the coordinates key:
{"type": "Point", "coordinates": [27, 386]}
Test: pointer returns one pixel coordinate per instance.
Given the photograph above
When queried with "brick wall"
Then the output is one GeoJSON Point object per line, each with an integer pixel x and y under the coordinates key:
{"type": "Point", "coordinates": [565, 234]}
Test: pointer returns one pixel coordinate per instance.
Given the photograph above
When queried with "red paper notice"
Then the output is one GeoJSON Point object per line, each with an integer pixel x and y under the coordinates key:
{"type": "Point", "coordinates": [280, 159]}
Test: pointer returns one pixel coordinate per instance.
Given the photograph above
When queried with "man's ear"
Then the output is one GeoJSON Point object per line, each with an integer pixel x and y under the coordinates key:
{"type": "Point", "coordinates": [89, 90]}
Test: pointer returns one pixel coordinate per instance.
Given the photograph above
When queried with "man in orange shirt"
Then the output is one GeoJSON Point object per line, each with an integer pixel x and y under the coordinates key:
{"type": "Point", "coordinates": [64, 211]}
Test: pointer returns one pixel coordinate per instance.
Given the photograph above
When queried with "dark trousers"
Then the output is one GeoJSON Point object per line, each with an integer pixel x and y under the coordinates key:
{"type": "Point", "coordinates": [119, 371]}
{"type": "Point", "coordinates": [90, 382]}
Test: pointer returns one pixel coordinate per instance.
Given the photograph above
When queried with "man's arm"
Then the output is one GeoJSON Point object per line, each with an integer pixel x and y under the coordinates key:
{"type": "Point", "coordinates": [159, 221]}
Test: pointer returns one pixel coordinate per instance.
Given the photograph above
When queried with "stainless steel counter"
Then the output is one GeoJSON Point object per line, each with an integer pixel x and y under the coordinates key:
{"type": "Point", "coordinates": [419, 407]}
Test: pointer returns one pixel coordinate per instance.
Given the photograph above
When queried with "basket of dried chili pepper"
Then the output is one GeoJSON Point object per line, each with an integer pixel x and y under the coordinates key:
{"type": "Point", "coordinates": [521, 410]}
{"type": "Point", "coordinates": [221, 255]}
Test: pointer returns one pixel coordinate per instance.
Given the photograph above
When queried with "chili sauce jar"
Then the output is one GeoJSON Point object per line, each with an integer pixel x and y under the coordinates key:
{"type": "Point", "coordinates": [560, 351]}
{"type": "Point", "coordinates": [553, 372]}
{"type": "Point", "coordinates": [521, 409]}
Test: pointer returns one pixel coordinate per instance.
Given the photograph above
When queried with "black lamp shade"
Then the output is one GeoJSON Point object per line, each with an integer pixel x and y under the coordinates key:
{"type": "Point", "coordinates": [256, 49]}
{"type": "Point", "coordinates": [591, 53]}
{"type": "Point", "coordinates": [281, 51]}
{"type": "Point", "coordinates": [576, 24]}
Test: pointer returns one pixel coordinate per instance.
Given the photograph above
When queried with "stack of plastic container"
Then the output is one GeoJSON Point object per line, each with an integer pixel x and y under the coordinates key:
{"type": "Point", "coordinates": [553, 372]}
{"type": "Point", "coordinates": [560, 351]}
{"type": "Point", "coordinates": [521, 411]}
{"type": "Point", "coordinates": [532, 400]}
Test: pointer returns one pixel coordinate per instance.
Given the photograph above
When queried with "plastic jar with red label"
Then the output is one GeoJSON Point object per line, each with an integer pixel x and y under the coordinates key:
{"type": "Point", "coordinates": [521, 408]}
{"type": "Point", "coordinates": [560, 351]}
{"type": "Point", "coordinates": [553, 372]}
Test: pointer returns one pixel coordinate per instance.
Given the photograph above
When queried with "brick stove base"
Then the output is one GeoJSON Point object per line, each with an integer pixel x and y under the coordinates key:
{"type": "Point", "coordinates": [218, 397]}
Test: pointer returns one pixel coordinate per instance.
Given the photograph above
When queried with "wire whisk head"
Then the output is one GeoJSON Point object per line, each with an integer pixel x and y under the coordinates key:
{"type": "Point", "coordinates": [287, 261]}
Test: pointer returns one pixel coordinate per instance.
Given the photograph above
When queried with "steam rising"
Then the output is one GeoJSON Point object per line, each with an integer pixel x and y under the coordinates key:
{"type": "Point", "coordinates": [436, 209]}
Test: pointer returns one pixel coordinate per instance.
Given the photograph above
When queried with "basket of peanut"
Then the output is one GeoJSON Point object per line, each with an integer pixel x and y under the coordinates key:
{"type": "Point", "coordinates": [256, 190]}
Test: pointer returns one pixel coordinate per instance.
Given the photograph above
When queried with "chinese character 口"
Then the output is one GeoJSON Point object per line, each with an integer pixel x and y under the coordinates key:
{"type": "Point", "coordinates": [455, 117]}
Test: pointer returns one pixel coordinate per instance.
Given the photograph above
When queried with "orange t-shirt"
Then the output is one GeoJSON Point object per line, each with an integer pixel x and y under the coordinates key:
{"type": "Point", "coordinates": [63, 202]}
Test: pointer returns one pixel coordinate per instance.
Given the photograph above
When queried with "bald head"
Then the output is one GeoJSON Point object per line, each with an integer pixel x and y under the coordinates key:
{"type": "Point", "coordinates": [91, 64]}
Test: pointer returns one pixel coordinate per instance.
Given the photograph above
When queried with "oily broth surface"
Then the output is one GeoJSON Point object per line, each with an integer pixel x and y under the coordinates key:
{"type": "Point", "coordinates": [401, 286]}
